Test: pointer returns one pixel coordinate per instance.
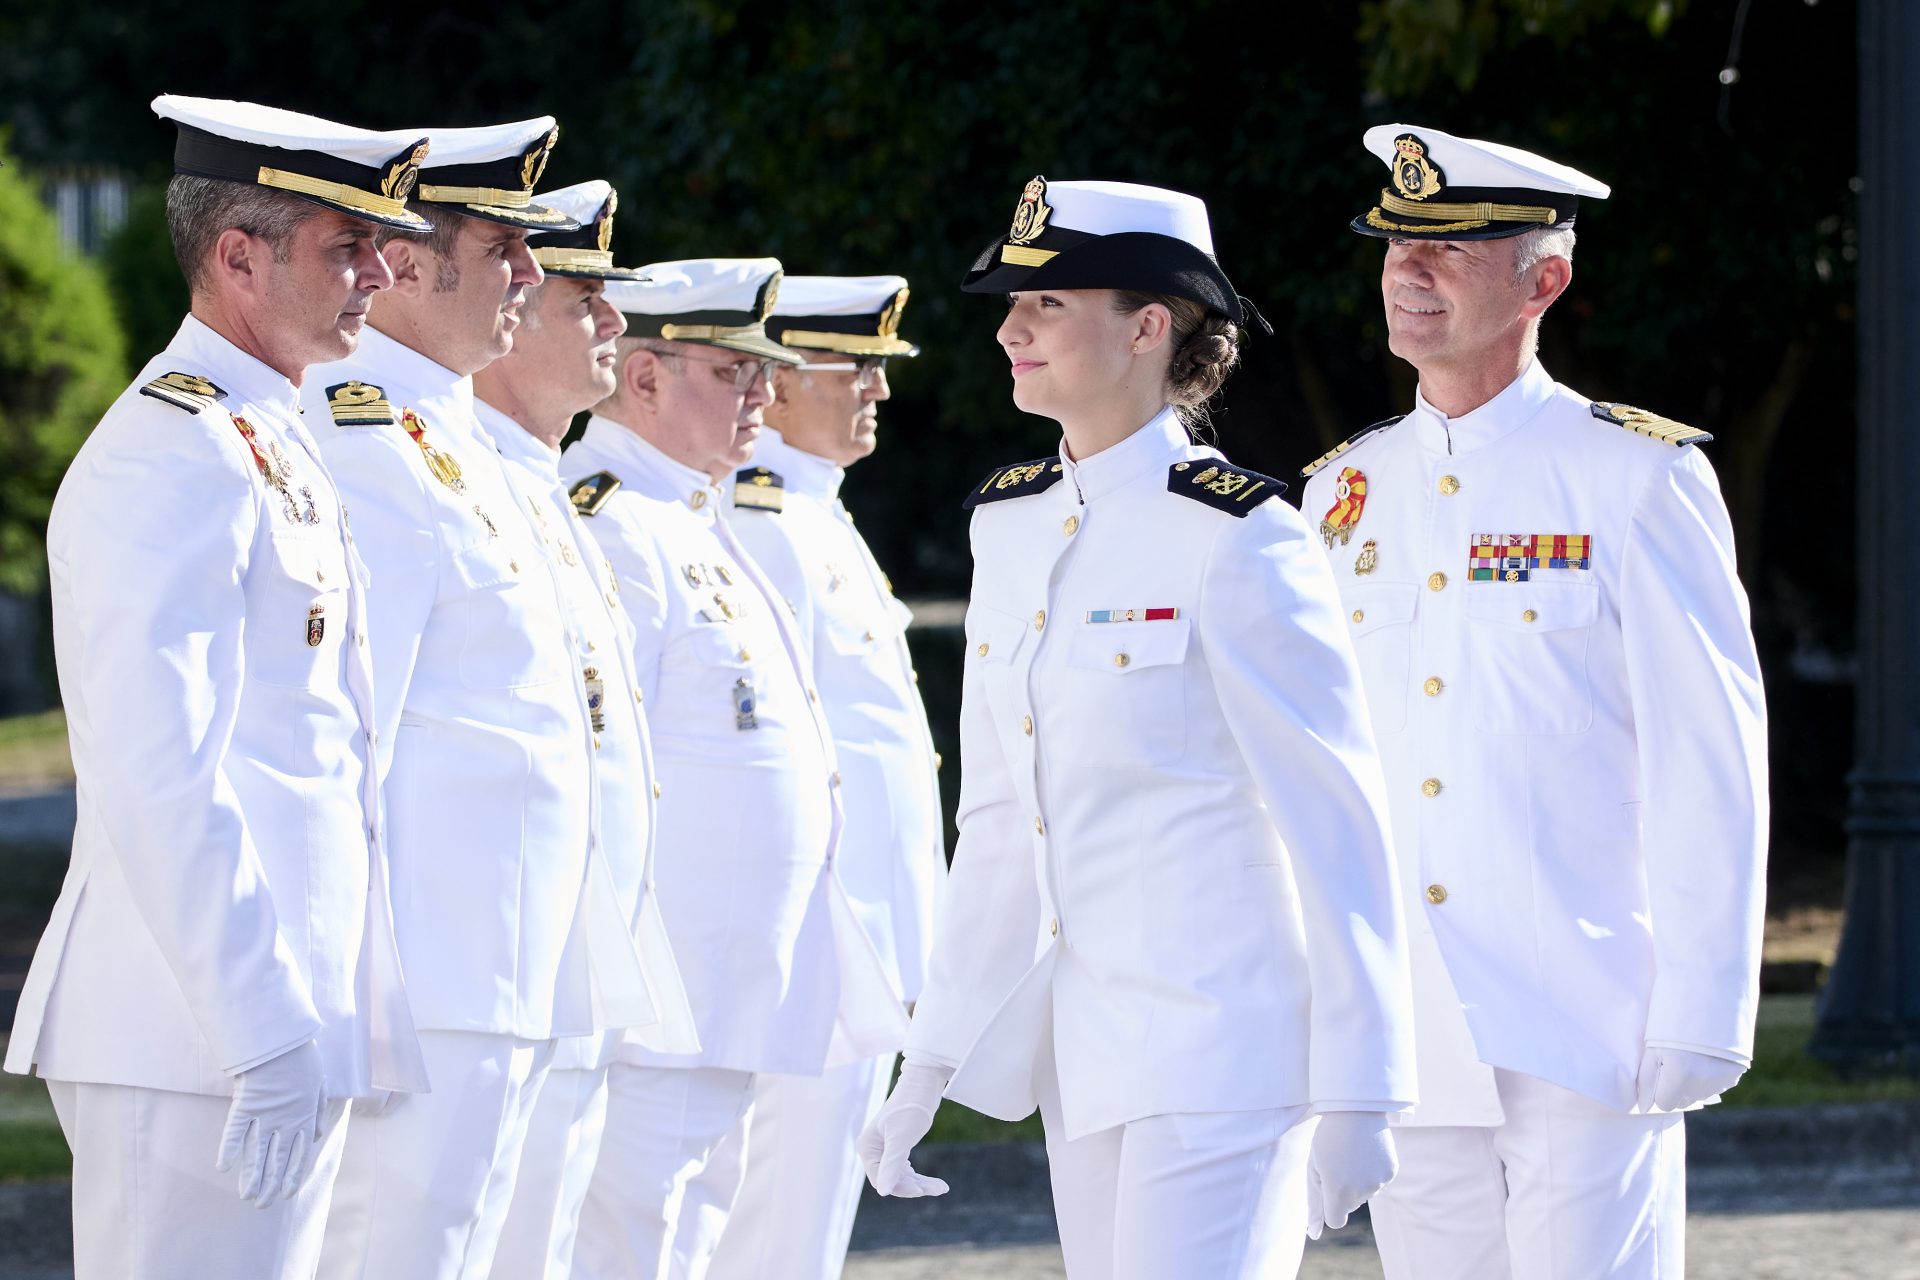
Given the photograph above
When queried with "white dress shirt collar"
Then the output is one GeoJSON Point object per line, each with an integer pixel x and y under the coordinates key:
{"type": "Point", "coordinates": [1513, 408]}
{"type": "Point", "coordinates": [799, 471]}
{"type": "Point", "coordinates": [650, 471]}
{"type": "Point", "coordinates": [244, 378]}
{"type": "Point", "coordinates": [517, 444]}
{"type": "Point", "coordinates": [1160, 442]}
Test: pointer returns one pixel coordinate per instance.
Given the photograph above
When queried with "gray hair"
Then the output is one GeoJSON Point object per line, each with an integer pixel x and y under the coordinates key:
{"type": "Point", "coordinates": [1533, 247]}
{"type": "Point", "coordinates": [199, 209]}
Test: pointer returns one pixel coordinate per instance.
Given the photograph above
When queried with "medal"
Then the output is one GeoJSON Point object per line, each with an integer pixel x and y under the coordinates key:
{"type": "Point", "coordinates": [596, 698]}
{"type": "Point", "coordinates": [743, 717]}
{"type": "Point", "coordinates": [442, 465]}
{"type": "Point", "coordinates": [316, 626]}
{"type": "Point", "coordinates": [1369, 559]}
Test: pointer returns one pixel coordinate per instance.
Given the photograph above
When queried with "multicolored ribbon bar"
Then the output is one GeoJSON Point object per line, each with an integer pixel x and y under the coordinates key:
{"type": "Point", "coordinates": [1132, 615]}
{"type": "Point", "coordinates": [1510, 557]}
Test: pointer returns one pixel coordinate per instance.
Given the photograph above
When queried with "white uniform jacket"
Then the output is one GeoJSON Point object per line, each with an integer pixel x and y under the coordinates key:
{"type": "Point", "coordinates": [1172, 818]}
{"type": "Point", "coordinates": [227, 899]}
{"type": "Point", "coordinates": [506, 911]}
{"type": "Point", "coordinates": [1563, 683]}
{"type": "Point", "coordinates": [779, 973]}
{"type": "Point", "coordinates": [624, 803]}
{"type": "Point", "coordinates": [893, 851]}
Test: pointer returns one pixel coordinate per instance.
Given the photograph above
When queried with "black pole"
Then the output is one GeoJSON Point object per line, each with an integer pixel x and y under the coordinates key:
{"type": "Point", "coordinates": [1870, 1010]}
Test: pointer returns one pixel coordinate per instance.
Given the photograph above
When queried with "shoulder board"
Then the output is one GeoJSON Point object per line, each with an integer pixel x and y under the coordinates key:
{"type": "Point", "coordinates": [359, 404]}
{"type": "Point", "coordinates": [1643, 423]}
{"type": "Point", "coordinates": [187, 391]}
{"type": "Point", "coordinates": [588, 496]}
{"type": "Point", "coordinates": [759, 488]}
{"type": "Point", "coordinates": [1347, 444]}
{"type": "Point", "coordinates": [1233, 491]}
{"type": "Point", "coordinates": [1016, 481]}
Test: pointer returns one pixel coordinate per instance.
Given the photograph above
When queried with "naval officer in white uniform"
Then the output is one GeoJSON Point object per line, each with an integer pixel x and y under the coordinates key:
{"type": "Point", "coordinates": [1173, 920]}
{"type": "Point", "coordinates": [563, 362]}
{"type": "Point", "coordinates": [507, 913]}
{"type": "Point", "coordinates": [781, 977]}
{"type": "Point", "coordinates": [1563, 681]}
{"type": "Point", "coordinates": [220, 974]}
{"type": "Point", "coordinates": [796, 1210]}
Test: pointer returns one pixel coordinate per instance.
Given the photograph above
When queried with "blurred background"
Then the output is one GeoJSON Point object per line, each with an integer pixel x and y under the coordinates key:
{"type": "Point", "coordinates": [1717, 286]}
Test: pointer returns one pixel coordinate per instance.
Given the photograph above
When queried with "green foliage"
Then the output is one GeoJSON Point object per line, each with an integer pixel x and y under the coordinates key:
{"type": "Point", "coordinates": [149, 293]}
{"type": "Point", "coordinates": [61, 365]}
{"type": "Point", "coordinates": [1415, 42]}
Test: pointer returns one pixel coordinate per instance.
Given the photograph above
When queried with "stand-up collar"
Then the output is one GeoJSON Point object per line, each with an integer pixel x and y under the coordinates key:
{"type": "Point", "coordinates": [517, 444]}
{"type": "Point", "coordinates": [648, 470]}
{"type": "Point", "coordinates": [1513, 408]}
{"type": "Point", "coordinates": [1162, 441]}
{"type": "Point", "coordinates": [240, 375]}
{"type": "Point", "coordinates": [799, 471]}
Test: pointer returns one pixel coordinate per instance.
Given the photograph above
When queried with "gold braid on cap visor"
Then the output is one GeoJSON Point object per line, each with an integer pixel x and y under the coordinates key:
{"type": "Point", "coordinates": [476, 195]}
{"type": "Point", "coordinates": [1020, 256]}
{"type": "Point", "coordinates": [338, 192]}
{"type": "Point", "coordinates": [1468, 216]}
{"type": "Point", "coordinates": [561, 259]}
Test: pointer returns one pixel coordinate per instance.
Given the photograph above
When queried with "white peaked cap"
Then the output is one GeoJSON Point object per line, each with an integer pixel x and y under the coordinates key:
{"type": "Point", "coordinates": [1469, 162]}
{"type": "Point", "coordinates": [836, 295]}
{"type": "Point", "coordinates": [1109, 208]}
{"type": "Point", "coordinates": [581, 202]}
{"type": "Point", "coordinates": [721, 302]}
{"type": "Point", "coordinates": [481, 143]}
{"type": "Point", "coordinates": [290, 130]}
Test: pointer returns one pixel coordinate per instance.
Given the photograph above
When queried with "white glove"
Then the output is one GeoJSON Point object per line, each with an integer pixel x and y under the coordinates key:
{"type": "Point", "coordinates": [904, 1119]}
{"type": "Point", "coordinates": [1675, 1079]}
{"type": "Point", "coordinates": [1352, 1159]}
{"type": "Point", "coordinates": [274, 1126]}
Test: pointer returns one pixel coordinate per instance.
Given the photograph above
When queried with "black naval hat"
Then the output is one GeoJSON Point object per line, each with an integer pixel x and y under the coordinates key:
{"type": "Point", "coordinates": [587, 250]}
{"type": "Point", "coordinates": [490, 172]}
{"type": "Point", "coordinates": [853, 315]}
{"type": "Point", "coordinates": [713, 302]}
{"type": "Point", "coordinates": [1448, 188]}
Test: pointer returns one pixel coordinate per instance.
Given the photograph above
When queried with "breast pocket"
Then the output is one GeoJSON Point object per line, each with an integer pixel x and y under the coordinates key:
{"type": "Point", "coordinates": [297, 614]}
{"type": "Point", "coordinates": [1380, 620]}
{"type": "Point", "coordinates": [513, 637]}
{"type": "Point", "coordinates": [857, 633]}
{"type": "Point", "coordinates": [1124, 693]}
{"type": "Point", "coordinates": [1528, 656]}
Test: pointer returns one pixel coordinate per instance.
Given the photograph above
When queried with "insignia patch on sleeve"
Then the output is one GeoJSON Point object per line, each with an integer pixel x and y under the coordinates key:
{"type": "Point", "coordinates": [1347, 444]}
{"type": "Point", "coordinates": [187, 391]}
{"type": "Point", "coordinates": [1016, 481]}
{"type": "Point", "coordinates": [359, 404]}
{"type": "Point", "coordinates": [759, 488]}
{"type": "Point", "coordinates": [1228, 489]}
{"type": "Point", "coordinates": [591, 494]}
{"type": "Point", "coordinates": [1643, 423]}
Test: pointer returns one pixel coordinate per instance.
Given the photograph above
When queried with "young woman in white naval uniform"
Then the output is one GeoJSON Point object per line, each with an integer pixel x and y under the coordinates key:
{"type": "Point", "coordinates": [1172, 922]}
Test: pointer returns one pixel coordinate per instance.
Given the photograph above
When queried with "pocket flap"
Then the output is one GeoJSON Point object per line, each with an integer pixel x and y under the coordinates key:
{"type": "Point", "coordinates": [1120, 648]}
{"type": "Point", "coordinates": [993, 636]}
{"type": "Point", "coordinates": [1373, 605]}
{"type": "Point", "coordinates": [1533, 606]}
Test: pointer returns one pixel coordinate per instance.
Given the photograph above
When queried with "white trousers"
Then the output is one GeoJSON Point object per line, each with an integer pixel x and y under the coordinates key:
{"type": "Point", "coordinates": [556, 1166]}
{"type": "Point", "coordinates": [671, 1163]}
{"type": "Point", "coordinates": [795, 1212]}
{"type": "Point", "coordinates": [1564, 1189]}
{"type": "Point", "coordinates": [149, 1205]}
{"type": "Point", "coordinates": [1219, 1194]}
{"type": "Point", "coordinates": [424, 1188]}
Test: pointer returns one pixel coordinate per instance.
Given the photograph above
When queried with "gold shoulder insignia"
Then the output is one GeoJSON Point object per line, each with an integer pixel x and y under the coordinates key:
{"type": "Point", "coordinates": [1347, 444]}
{"type": "Point", "coordinates": [1640, 422]}
{"type": "Point", "coordinates": [187, 391]}
{"type": "Point", "coordinates": [1016, 481]}
{"type": "Point", "coordinates": [1229, 489]}
{"type": "Point", "coordinates": [591, 494]}
{"type": "Point", "coordinates": [359, 404]}
{"type": "Point", "coordinates": [759, 489]}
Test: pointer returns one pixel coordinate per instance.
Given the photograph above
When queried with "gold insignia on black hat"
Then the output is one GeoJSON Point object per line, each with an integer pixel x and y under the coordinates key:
{"type": "Point", "coordinates": [603, 225]}
{"type": "Point", "coordinates": [890, 318]}
{"type": "Point", "coordinates": [1414, 176]}
{"type": "Point", "coordinates": [534, 162]}
{"type": "Point", "coordinates": [403, 174]}
{"type": "Point", "coordinates": [1030, 215]}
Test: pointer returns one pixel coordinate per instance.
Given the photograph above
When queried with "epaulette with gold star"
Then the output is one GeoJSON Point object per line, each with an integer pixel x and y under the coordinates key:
{"type": "Point", "coordinates": [1640, 422]}
{"type": "Point", "coordinates": [1347, 444]}
{"type": "Point", "coordinates": [589, 495]}
{"type": "Point", "coordinates": [1016, 481]}
{"type": "Point", "coordinates": [759, 489]}
{"type": "Point", "coordinates": [187, 391]}
{"type": "Point", "coordinates": [1230, 489]}
{"type": "Point", "coordinates": [359, 404]}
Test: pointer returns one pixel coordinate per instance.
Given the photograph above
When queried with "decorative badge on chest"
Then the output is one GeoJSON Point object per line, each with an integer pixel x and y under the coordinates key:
{"type": "Point", "coordinates": [278, 473]}
{"type": "Point", "coordinates": [1516, 557]}
{"type": "Point", "coordinates": [316, 626]}
{"type": "Point", "coordinates": [743, 705]}
{"type": "Point", "coordinates": [1349, 500]}
{"type": "Point", "coordinates": [442, 465]}
{"type": "Point", "coordinates": [596, 697]}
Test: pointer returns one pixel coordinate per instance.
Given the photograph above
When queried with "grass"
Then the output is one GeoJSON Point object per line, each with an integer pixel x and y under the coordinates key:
{"type": "Point", "coordinates": [33, 750]}
{"type": "Point", "coordinates": [31, 1145]}
{"type": "Point", "coordinates": [1783, 1076]}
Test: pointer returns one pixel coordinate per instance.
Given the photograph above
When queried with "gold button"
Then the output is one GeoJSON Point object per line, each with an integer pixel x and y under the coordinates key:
{"type": "Point", "coordinates": [698, 500]}
{"type": "Point", "coordinates": [596, 742]}
{"type": "Point", "coordinates": [1121, 659]}
{"type": "Point", "coordinates": [319, 575]}
{"type": "Point", "coordinates": [1436, 581]}
{"type": "Point", "coordinates": [1039, 619]}
{"type": "Point", "coordinates": [936, 761]}
{"type": "Point", "coordinates": [745, 656]}
{"type": "Point", "coordinates": [1430, 788]}
{"type": "Point", "coordinates": [1433, 686]}
{"type": "Point", "coordinates": [514, 565]}
{"type": "Point", "coordinates": [916, 674]}
{"type": "Point", "coordinates": [637, 697]}
{"type": "Point", "coordinates": [1054, 927]}
{"type": "Point", "coordinates": [982, 650]}
{"type": "Point", "coordinates": [656, 791]}
{"type": "Point", "coordinates": [1528, 616]}
{"type": "Point", "coordinates": [836, 778]}
{"type": "Point", "coordinates": [1039, 827]}
{"type": "Point", "coordinates": [869, 635]}
{"type": "Point", "coordinates": [813, 695]}
{"type": "Point", "coordinates": [1072, 523]}
{"type": "Point", "coordinates": [1026, 725]}
{"type": "Point", "coordinates": [360, 638]}
{"type": "Point", "coordinates": [1436, 894]}
{"type": "Point", "coordinates": [1449, 486]}
{"type": "Point", "coordinates": [1359, 615]}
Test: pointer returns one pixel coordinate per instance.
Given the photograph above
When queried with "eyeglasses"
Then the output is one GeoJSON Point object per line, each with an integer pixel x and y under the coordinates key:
{"type": "Point", "coordinates": [865, 372]}
{"type": "Point", "coordinates": [747, 374]}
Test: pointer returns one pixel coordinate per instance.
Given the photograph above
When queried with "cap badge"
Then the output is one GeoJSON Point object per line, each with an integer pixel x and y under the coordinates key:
{"type": "Point", "coordinates": [1414, 176]}
{"type": "Point", "coordinates": [1031, 214]}
{"type": "Point", "coordinates": [769, 294]}
{"type": "Point", "coordinates": [534, 162]}
{"type": "Point", "coordinates": [403, 173]}
{"type": "Point", "coordinates": [1349, 500]}
{"type": "Point", "coordinates": [603, 228]}
{"type": "Point", "coordinates": [890, 318]}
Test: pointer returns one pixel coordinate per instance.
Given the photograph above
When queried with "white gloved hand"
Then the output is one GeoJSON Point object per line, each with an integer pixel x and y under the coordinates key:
{"type": "Point", "coordinates": [274, 1126]}
{"type": "Point", "coordinates": [1352, 1158]}
{"type": "Point", "coordinates": [904, 1119]}
{"type": "Point", "coordinates": [1675, 1079]}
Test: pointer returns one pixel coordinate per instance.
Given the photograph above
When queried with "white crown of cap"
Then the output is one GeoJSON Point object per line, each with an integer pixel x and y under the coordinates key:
{"type": "Point", "coordinates": [836, 295]}
{"type": "Point", "coordinates": [696, 284]}
{"type": "Point", "coordinates": [483, 142]}
{"type": "Point", "coordinates": [290, 130]}
{"type": "Point", "coordinates": [1110, 208]}
{"type": "Point", "coordinates": [1469, 162]}
{"type": "Point", "coordinates": [581, 201]}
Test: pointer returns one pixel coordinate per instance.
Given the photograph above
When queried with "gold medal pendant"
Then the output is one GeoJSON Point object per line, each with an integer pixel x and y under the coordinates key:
{"type": "Point", "coordinates": [442, 465]}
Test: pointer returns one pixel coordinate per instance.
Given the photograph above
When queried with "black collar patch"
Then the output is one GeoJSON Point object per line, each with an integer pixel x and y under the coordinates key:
{"type": "Point", "coordinates": [1016, 481]}
{"type": "Point", "coordinates": [588, 496]}
{"type": "Point", "coordinates": [187, 391]}
{"type": "Point", "coordinates": [1229, 489]}
{"type": "Point", "coordinates": [759, 489]}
